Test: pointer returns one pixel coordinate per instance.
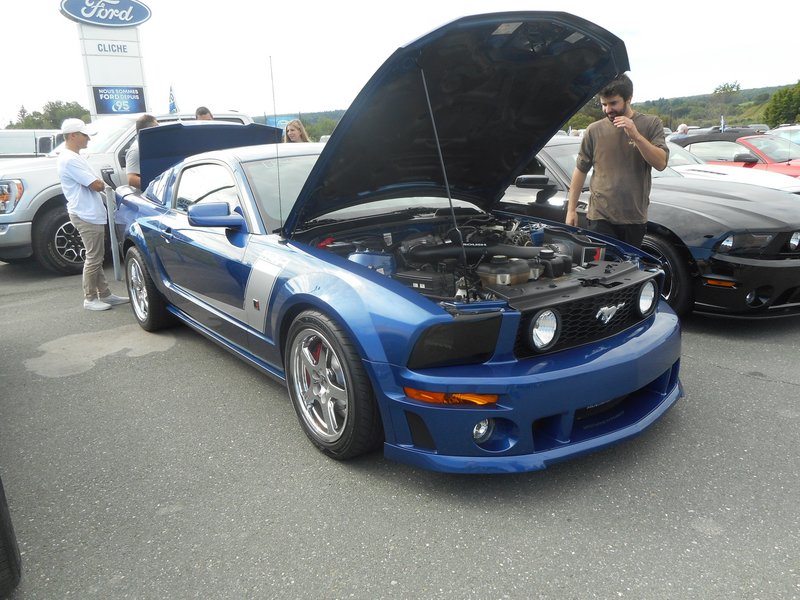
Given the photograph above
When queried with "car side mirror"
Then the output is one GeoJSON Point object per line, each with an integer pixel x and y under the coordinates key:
{"type": "Point", "coordinates": [215, 214]}
{"type": "Point", "coordinates": [532, 181]}
{"type": "Point", "coordinates": [745, 157]}
{"type": "Point", "coordinates": [537, 182]}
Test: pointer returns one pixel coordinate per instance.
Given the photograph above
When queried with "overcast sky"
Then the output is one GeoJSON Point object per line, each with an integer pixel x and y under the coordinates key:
{"type": "Point", "coordinates": [323, 52]}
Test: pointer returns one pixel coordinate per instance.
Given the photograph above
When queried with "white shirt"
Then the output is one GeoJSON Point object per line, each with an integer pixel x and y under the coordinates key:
{"type": "Point", "coordinates": [76, 174]}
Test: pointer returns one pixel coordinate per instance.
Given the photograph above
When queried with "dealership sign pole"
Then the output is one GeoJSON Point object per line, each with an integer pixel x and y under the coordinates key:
{"type": "Point", "coordinates": [112, 57]}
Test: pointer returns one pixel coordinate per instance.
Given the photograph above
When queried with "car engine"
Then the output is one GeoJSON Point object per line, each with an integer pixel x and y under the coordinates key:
{"type": "Point", "coordinates": [482, 259]}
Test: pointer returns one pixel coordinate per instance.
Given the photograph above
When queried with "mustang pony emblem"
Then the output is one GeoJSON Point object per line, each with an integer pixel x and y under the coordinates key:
{"type": "Point", "coordinates": [606, 313]}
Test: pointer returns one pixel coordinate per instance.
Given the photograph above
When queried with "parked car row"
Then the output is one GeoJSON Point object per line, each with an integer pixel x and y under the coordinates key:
{"type": "Point", "coordinates": [745, 148]}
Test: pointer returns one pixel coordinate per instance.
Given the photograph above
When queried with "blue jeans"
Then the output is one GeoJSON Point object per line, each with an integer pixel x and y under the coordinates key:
{"type": "Point", "coordinates": [94, 242]}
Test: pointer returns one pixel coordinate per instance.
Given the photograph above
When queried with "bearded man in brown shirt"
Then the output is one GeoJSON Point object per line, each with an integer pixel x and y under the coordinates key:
{"type": "Point", "coordinates": [622, 149]}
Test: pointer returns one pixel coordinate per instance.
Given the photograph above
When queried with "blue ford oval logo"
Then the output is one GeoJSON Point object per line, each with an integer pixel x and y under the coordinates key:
{"type": "Point", "coordinates": [106, 13]}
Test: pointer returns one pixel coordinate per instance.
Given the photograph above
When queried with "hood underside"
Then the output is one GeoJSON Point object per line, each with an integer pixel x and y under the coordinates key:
{"type": "Point", "coordinates": [488, 90]}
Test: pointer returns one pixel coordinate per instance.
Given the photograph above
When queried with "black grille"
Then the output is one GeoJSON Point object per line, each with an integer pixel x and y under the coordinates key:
{"type": "Point", "coordinates": [580, 323]}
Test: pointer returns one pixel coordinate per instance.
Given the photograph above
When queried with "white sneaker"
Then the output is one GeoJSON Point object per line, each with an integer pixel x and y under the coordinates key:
{"type": "Point", "coordinates": [113, 300]}
{"type": "Point", "coordinates": [95, 304]}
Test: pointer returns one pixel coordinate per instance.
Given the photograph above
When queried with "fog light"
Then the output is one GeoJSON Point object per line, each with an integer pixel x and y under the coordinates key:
{"type": "Point", "coordinates": [647, 297]}
{"type": "Point", "coordinates": [544, 329]}
{"type": "Point", "coordinates": [483, 430]}
{"type": "Point", "coordinates": [759, 296]}
{"type": "Point", "coordinates": [794, 241]}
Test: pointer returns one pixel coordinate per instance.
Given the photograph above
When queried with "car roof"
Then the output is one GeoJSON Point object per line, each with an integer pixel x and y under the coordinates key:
{"type": "Point", "coordinates": [729, 135]}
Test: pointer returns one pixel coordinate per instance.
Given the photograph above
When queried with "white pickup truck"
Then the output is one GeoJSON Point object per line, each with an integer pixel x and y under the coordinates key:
{"type": "Point", "coordinates": [27, 143]}
{"type": "Point", "coordinates": [33, 213]}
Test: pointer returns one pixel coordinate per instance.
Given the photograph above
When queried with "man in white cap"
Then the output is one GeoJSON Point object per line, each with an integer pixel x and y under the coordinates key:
{"type": "Point", "coordinates": [87, 212]}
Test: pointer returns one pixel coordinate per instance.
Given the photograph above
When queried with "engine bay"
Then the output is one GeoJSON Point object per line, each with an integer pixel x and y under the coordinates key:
{"type": "Point", "coordinates": [483, 258]}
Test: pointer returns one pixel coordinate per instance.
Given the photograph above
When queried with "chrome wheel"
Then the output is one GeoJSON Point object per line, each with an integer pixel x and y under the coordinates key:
{"type": "Point", "coordinates": [330, 390]}
{"type": "Point", "coordinates": [149, 307]}
{"type": "Point", "coordinates": [137, 290]}
{"type": "Point", "coordinates": [319, 384]}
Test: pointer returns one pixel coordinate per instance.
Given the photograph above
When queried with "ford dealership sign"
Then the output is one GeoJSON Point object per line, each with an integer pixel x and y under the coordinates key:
{"type": "Point", "coordinates": [106, 13]}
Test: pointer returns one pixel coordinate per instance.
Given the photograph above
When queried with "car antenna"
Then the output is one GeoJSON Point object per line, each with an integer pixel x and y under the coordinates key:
{"type": "Point", "coordinates": [444, 173]}
{"type": "Point", "coordinates": [277, 146]}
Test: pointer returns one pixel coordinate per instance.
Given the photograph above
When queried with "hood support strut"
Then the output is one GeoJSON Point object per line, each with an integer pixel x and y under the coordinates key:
{"type": "Point", "coordinates": [444, 172]}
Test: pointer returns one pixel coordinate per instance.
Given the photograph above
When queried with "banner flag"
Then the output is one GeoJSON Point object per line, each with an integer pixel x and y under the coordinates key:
{"type": "Point", "coordinates": [173, 108]}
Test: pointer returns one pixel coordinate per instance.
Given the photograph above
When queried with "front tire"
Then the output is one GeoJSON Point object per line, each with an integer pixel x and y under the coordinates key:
{"type": "Point", "coordinates": [57, 245]}
{"type": "Point", "coordinates": [10, 559]}
{"type": "Point", "coordinates": [677, 290]}
{"type": "Point", "coordinates": [330, 390]}
{"type": "Point", "coordinates": [149, 306]}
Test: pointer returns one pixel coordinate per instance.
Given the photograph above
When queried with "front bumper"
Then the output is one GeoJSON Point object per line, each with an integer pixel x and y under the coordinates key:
{"type": "Point", "coordinates": [15, 240]}
{"type": "Point", "coordinates": [748, 287]}
{"type": "Point", "coordinates": [549, 409]}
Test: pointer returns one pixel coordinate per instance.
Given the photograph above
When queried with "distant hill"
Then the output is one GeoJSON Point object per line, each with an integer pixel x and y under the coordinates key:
{"type": "Point", "coordinates": [739, 107]}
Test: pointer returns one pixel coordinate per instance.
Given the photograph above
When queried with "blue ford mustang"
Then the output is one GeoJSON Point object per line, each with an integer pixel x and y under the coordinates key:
{"type": "Point", "coordinates": [375, 277]}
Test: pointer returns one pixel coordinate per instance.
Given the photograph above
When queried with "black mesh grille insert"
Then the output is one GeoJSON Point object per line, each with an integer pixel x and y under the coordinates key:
{"type": "Point", "coordinates": [581, 320]}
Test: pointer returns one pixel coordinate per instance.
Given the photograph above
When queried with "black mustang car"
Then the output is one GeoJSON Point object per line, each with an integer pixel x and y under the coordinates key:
{"type": "Point", "coordinates": [727, 248]}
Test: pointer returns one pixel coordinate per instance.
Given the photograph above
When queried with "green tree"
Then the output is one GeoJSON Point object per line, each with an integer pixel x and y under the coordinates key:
{"type": "Point", "coordinates": [728, 88]}
{"type": "Point", "coordinates": [320, 127]}
{"type": "Point", "coordinates": [51, 117]}
{"type": "Point", "coordinates": [784, 106]}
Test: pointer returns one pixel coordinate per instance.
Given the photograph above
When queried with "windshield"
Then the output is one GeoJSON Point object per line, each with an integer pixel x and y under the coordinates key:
{"type": "Point", "coordinates": [565, 156]}
{"type": "Point", "coordinates": [276, 185]}
{"type": "Point", "coordinates": [108, 132]}
{"type": "Point", "coordinates": [775, 148]}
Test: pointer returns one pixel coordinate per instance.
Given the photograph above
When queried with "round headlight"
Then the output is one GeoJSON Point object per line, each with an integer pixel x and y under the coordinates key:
{"type": "Point", "coordinates": [647, 297]}
{"type": "Point", "coordinates": [794, 241]}
{"type": "Point", "coordinates": [544, 329]}
{"type": "Point", "coordinates": [726, 244]}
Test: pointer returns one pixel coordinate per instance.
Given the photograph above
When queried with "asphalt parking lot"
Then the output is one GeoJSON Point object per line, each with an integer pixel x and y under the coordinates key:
{"type": "Point", "coordinates": [144, 465]}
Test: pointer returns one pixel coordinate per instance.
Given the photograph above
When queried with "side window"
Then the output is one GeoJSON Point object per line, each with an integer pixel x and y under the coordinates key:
{"type": "Point", "coordinates": [716, 150]}
{"type": "Point", "coordinates": [534, 168]}
{"type": "Point", "coordinates": [157, 190]}
{"type": "Point", "coordinates": [207, 183]}
{"type": "Point", "coordinates": [123, 151]}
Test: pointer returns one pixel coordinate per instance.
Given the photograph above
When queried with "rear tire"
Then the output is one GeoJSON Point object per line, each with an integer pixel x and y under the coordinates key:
{"type": "Point", "coordinates": [677, 289]}
{"type": "Point", "coordinates": [149, 306]}
{"type": "Point", "coordinates": [10, 559]}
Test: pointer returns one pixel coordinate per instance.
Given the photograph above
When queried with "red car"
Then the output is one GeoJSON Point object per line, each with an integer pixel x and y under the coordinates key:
{"type": "Point", "coordinates": [734, 147]}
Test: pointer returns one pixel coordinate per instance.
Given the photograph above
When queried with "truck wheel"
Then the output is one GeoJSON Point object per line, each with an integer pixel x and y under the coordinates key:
{"type": "Point", "coordinates": [57, 245]}
{"type": "Point", "coordinates": [10, 559]}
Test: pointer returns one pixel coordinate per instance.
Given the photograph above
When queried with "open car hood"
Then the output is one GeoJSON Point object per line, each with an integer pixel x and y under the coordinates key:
{"type": "Point", "coordinates": [492, 88]}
